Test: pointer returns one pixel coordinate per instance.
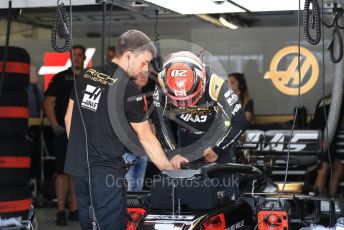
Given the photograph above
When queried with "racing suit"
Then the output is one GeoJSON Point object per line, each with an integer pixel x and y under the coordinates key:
{"type": "Point", "coordinates": [217, 120]}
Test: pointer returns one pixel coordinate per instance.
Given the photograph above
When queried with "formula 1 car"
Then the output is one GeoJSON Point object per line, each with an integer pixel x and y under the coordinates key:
{"type": "Point", "coordinates": [189, 200]}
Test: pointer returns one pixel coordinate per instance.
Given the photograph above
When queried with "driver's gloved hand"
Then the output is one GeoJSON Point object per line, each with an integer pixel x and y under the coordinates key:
{"type": "Point", "coordinates": [58, 130]}
{"type": "Point", "coordinates": [178, 161]}
{"type": "Point", "coordinates": [209, 155]}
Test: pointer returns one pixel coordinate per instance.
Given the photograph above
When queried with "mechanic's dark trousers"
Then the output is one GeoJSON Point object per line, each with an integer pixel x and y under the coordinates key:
{"type": "Point", "coordinates": [228, 182]}
{"type": "Point", "coordinates": [109, 200]}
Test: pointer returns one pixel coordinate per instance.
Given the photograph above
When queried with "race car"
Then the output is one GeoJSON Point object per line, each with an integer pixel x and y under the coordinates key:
{"type": "Point", "coordinates": [188, 200]}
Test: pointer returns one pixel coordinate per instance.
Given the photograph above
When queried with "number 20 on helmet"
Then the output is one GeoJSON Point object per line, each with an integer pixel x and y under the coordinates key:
{"type": "Point", "coordinates": [183, 79]}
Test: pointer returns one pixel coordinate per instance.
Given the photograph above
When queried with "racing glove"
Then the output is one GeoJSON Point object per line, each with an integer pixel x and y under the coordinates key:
{"type": "Point", "coordinates": [59, 130]}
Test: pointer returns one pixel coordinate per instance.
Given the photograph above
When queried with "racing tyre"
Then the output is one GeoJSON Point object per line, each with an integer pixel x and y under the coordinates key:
{"type": "Point", "coordinates": [14, 113]}
{"type": "Point", "coordinates": [15, 162]}
{"type": "Point", "coordinates": [17, 71]}
{"type": "Point", "coordinates": [15, 201]}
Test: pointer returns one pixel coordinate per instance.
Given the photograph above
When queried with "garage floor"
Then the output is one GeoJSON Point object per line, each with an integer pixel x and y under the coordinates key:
{"type": "Point", "coordinates": [46, 220]}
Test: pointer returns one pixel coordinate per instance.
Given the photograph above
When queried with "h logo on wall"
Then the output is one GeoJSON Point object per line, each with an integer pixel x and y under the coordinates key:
{"type": "Point", "coordinates": [284, 72]}
{"type": "Point", "coordinates": [55, 62]}
{"type": "Point", "coordinates": [91, 97]}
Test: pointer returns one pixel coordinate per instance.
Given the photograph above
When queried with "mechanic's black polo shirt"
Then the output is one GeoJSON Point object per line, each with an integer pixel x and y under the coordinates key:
{"type": "Point", "coordinates": [60, 87]}
{"type": "Point", "coordinates": [104, 148]}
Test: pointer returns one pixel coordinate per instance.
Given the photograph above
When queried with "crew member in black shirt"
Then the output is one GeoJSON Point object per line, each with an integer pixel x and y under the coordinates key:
{"type": "Point", "coordinates": [335, 149]}
{"type": "Point", "coordinates": [134, 50]}
{"type": "Point", "coordinates": [55, 106]}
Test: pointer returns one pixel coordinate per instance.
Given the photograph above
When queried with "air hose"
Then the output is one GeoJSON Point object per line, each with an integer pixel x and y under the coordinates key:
{"type": "Point", "coordinates": [61, 15]}
{"type": "Point", "coordinates": [336, 35]}
{"type": "Point", "coordinates": [336, 101]}
{"type": "Point", "coordinates": [157, 61]}
{"type": "Point", "coordinates": [313, 17]}
{"type": "Point", "coordinates": [336, 38]}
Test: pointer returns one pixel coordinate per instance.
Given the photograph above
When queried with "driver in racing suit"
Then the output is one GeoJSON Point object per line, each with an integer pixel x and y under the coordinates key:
{"type": "Point", "coordinates": [206, 111]}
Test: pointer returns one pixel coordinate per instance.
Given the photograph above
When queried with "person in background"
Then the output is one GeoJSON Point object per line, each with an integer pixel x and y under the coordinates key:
{"type": "Point", "coordinates": [55, 106]}
{"type": "Point", "coordinates": [237, 83]}
{"type": "Point", "coordinates": [136, 174]}
{"type": "Point", "coordinates": [36, 94]}
{"type": "Point", "coordinates": [110, 53]}
{"type": "Point", "coordinates": [319, 122]}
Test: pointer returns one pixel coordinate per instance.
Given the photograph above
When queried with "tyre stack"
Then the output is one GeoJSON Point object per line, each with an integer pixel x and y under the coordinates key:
{"type": "Point", "coordinates": [15, 159]}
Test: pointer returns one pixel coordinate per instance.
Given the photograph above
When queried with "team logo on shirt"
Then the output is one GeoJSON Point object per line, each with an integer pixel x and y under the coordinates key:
{"type": "Point", "coordinates": [237, 107]}
{"type": "Point", "coordinates": [91, 97]}
{"type": "Point", "coordinates": [194, 118]}
{"type": "Point", "coordinates": [231, 97]}
{"type": "Point", "coordinates": [100, 77]}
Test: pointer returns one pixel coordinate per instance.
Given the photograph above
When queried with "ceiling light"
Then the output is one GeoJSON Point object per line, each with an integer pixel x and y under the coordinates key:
{"type": "Point", "coordinates": [227, 23]}
{"type": "Point", "coordinates": [46, 3]}
{"type": "Point", "coordinates": [210, 19]}
{"type": "Point", "coordinates": [270, 5]}
{"type": "Point", "coordinates": [197, 6]}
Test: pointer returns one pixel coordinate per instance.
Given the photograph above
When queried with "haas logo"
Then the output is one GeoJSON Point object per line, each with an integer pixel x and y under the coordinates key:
{"type": "Point", "coordinates": [288, 80]}
{"type": "Point", "coordinates": [91, 97]}
{"type": "Point", "coordinates": [56, 62]}
{"type": "Point", "coordinates": [278, 140]}
{"type": "Point", "coordinates": [196, 118]}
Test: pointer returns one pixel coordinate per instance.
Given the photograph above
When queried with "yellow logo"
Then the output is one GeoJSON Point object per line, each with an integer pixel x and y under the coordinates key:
{"type": "Point", "coordinates": [287, 81]}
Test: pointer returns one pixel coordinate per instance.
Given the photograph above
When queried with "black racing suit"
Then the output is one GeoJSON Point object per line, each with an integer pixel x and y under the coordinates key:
{"type": "Point", "coordinates": [216, 121]}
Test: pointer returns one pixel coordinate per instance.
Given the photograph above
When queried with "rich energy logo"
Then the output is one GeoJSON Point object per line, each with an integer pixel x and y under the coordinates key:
{"type": "Point", "coordinates": [288, 81]}
{"type": "Point", "coordinates": [91, 97]}
{"type": "Point", "coordinates": [100, 77]}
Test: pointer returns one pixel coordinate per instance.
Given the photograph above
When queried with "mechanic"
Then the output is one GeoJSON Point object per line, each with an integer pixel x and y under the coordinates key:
{"type": "Point", "coordinates": [136, 174]}
{"type": "Point", "coordinates": [110, 53]}
{"type": "Point", "coordinates": [197, 98]}
{"type": "Point", "coordinates": [335, 150]}
{"type": "Point", "coordinates": [55, 106]}
{"type": "Point", "coordinates": [134, 50]}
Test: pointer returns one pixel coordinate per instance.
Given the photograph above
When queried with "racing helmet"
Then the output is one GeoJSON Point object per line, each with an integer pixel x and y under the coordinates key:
{"type": "Point", "coordinates": [184, 78]}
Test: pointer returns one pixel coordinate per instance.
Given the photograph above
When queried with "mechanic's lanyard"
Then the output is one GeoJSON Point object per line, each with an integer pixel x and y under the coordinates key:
{"type": "Point", "coordinates": [145, 104]}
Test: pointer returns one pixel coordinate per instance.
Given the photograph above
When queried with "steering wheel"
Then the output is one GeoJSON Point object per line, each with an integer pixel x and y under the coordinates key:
{"type": "Point", "coordinates": [252, 180]}
{"type": "Point", "coordinates": [210, 168]}
{"type": "Point", "coordinates": [232, 167]}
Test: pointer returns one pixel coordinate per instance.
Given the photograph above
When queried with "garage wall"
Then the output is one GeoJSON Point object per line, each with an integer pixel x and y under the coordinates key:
{"type": "Point", "coordinates": [248, 50]}
{"type": "Point", "coordinates": [251, 50]}
{"type": "Point", "coordinates": [37, 40]}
